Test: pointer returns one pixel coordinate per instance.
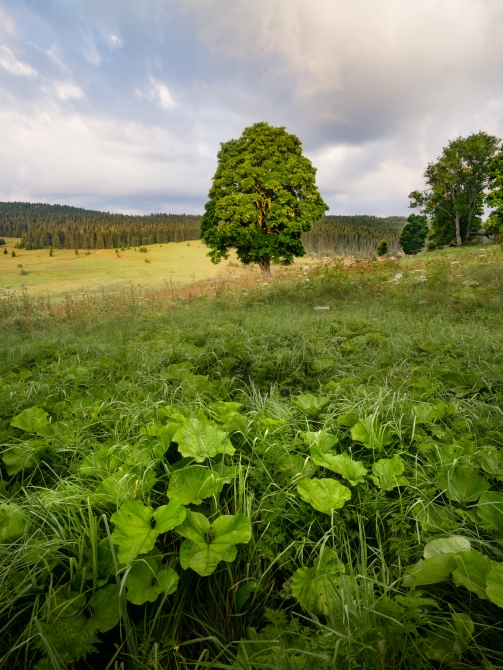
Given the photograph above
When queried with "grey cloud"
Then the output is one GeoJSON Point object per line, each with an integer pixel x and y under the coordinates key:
{"type": "Point", "coordinates": [131, 100]}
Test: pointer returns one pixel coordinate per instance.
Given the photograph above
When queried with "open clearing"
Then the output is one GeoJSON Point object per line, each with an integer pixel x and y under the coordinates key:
{"type": "Point", "coordinates": [65, 272]}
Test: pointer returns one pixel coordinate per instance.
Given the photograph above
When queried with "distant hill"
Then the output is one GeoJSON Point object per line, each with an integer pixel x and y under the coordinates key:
{"type": "Point", "coordinates": [40, 225]}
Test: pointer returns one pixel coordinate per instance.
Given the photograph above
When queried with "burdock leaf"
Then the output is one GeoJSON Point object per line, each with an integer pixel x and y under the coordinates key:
{"type": "Point", "coordinates": [309, 403]}
{"type": "Point", "coordinates": [430, 571]}
{"type": "Point", "coordinates": [206, 545]}
{"type": "Point", "coordinates": [323, 494]}
{"type": "Point", "coordinates": [448, 545]}
{"type": "Point", "coordinates": [193, 484]}
{"type": "Point", "coordinates": [147, 579]}
{"type": "Point", "coordinates": [490, 510]}
{"type": "Point", "coordinates": [471, 571]}
{"type": "Point", "coordinates": [200, 440]}
{"type": "Point", "coordinates": [104, 606]}
{"type": "Point", "coordinates": [31, 420]}
{"type": "Point", "coordinates": [371, 433]}
{"type": "Point", "coordinates": [137, 526]}
{"type": "Point", "coordinates": [494, 581]}
{"type": "Point", "coordinates": [315, 587]}
{"type": "Point", "coordinates": [387, 473]}
{"type": "Point", "coordinates": [12, 523]}
{"type": "Point", "coordinates": [342, 464]}
{"type": "Point", "coordinates": [463, 484]}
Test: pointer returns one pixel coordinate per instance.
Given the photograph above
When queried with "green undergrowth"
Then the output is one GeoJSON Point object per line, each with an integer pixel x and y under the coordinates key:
{"type": "Point", "coordinates": [248, 481]}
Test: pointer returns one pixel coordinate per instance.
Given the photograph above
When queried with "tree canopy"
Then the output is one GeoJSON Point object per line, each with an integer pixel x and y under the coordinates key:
{"type": "Point", "coordinates": [455, 185]}
{"type": "Point", "coordinates": [263, 197]}
{"type": "Point", "coordinates": [495, 196]}
{"type": "Point", "coordinates": [414, 234]}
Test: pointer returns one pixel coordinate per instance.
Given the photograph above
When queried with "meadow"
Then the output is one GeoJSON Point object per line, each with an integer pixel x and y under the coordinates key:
{"type": "Point", "coordinates": [92, 272]}
{"type": "Point", "coordinates": [301, 473]}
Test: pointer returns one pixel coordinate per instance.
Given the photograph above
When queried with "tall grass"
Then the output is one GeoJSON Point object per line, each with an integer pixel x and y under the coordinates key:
{"type": "Point", "coordinates": [384, 346]}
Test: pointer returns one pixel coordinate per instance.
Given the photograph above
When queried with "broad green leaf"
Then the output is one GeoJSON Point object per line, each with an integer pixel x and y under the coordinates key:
{"type": "Point", "coordinates": [490, 510]}
{"type": "Point", "coordinates": [387, 473]}
{"type": "Point", "coordinates": [320, 439]}
{"type": "Point", "coordinates": [492, 461]}
{"type": "Point", "coordinates": [24, 456]}
{"type": "Point", "coordinates": [12, 523]}
{"type": "Point", "coordinates": [348, 420]}
{"type": "Point", "coordinates": [102, 462]}
{"type": "Point", "coordinates": [206, 545]}
{"type": "Point", "coordinates": [342, 464]}
{"type": "Point", "coordinates": [435, 517]}
{"type": "Point", "coordinates": [448, 545]}
{"type": "Point", "coordinates": [371, 433]}
{"type": "Point", "coordinates": [471, 571]}
{"type": "Point", "coordinates": [323, 494]}
{"type": "Point", "coordinates": [314, 588]}
{"type": "Point", "coordinates": [176, 371]}
{"type": "Point", "coordinates": [463, 626]}
{"type": "Point", "coordinates": [322, 364]}
{"type": "Point", "coordinates": [296, 465]}
{"type": "Point", "coordinates": [137, 526]}
{"type": "Point", "coordinates": [147, 579]}
{"type": "Point", "coordinates": [426, 412]}
{"type": "Point", "coordinates": [193, 484]}
{"type": "Point", "coordinates": [430, 571]}
{"type": "Point", "coordinates": [463, 484]}
{"type": "Point", "coordinates": [223, 409]}
{"type": "Point", "coordinates": [31, 420]}
{"type": "Point", "coordinates": [126, 483]}
{"type": "Point", "coordinates": [104, 608]}
{"type": "Point", "coordinates": [445, 643]}
{"type": "Point", "coordinates": [494, 584]}
{"type": "Point", "coordinates": [200, 440]}
{"type": "Point", "coordinates": [242, 595]}
{"type": "Point", "coordinates": [309, 403]}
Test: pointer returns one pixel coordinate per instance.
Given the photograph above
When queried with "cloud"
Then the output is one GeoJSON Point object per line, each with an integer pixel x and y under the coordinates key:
{"type": "Point", "coordinates": [67, 91]}
{"type": "Point", "coordinates": [161, 93]}
{"type": "Point", "coordinates": [374, 90]}
{"type": "Point", "coordinates": [14, 66]}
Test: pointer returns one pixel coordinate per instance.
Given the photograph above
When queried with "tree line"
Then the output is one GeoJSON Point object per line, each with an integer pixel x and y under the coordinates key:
{"type": "Point", "coordinates": [61, 226]}
{"type": "Point", "coordinates": [353, 235]}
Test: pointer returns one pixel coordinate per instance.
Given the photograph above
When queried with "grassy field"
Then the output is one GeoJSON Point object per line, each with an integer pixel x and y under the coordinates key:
{"type": "Point", "coordinates": [302, 473]}
{"type": "Point", "coordinates": [92, 272]}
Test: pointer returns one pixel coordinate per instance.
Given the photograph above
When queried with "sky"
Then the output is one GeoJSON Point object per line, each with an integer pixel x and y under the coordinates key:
{"type": "Point", "coordinates": [122, 105]}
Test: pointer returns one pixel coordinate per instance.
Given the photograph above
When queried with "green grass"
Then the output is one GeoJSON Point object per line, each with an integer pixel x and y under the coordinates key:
{"type": "Point", "coordinates": [103, 270]}
{"type": "Point", "coordinates": [402, 369]}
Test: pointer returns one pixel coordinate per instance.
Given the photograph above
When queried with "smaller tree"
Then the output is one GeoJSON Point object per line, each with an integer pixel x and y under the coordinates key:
{"type": "Point", "coordinates": [494, 224]}
{"type": "Point", "coordinates": [50, 251]}
{"type": "Point", "coordinates": [414, 234]}
{"type": "Point", "coordinates": [382, 248]}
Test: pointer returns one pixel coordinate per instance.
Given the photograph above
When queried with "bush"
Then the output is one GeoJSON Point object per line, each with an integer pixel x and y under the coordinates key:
{"type": "Point", "coordinates": [143, 250]}
{"type": "Point", "coordinates": [414, 234]}
{"type": "Point", "coordinates": [382, 248]}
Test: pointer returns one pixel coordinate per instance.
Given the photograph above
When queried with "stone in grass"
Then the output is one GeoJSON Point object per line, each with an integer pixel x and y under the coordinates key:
{"type": "Point", "coordinates": [321, 307]}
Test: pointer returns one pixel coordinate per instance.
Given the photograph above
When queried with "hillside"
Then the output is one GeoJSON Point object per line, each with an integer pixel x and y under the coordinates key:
{"type": "Point", "coordinates": [61, 226]}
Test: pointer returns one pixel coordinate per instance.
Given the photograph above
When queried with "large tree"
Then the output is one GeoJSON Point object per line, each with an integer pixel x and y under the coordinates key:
{"type": "Point", "coordinates": [263, 197]}
{"type": "Point", "coordinates": [455, 186]}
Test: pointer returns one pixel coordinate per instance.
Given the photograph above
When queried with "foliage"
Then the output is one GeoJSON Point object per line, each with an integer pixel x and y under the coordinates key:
{"type": "Point", "coordinates": [247, 482]}
{"type": "Point", "coordinates": [414, 234]}
{"type": "Point", "coordinates": [454, 195]}
{"type": "Point", "coordinates": [382, 248]}
{"type": "Point", "coordinates": [263, 198]}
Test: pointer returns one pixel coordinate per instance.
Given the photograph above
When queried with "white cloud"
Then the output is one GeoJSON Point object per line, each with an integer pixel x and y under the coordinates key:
{"type": "Point", "coordinates": [161, 93]}
{"type": "Point", "coordinates": [14, 66]}
{"type": "Point", "coordinates": [68, 91]}
{"type": "Point", "coordinates": [114, 41]}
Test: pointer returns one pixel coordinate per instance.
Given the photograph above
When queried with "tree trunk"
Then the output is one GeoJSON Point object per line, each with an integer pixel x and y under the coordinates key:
{"type": "Point", "coordinates": [459, 241]}
{"type": "Point", "coordinates": [265, 265]}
